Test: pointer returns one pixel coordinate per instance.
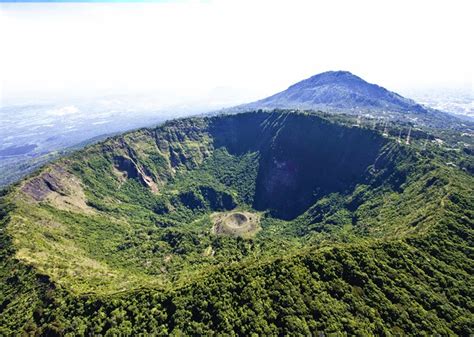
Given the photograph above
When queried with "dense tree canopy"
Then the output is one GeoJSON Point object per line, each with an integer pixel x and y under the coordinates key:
{"type": "Point", "coordinates": [359, 234]}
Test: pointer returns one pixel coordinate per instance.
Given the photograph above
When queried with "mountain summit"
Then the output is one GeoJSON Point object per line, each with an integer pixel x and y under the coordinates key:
{"type": "Point", "coordinates": [337, 90]}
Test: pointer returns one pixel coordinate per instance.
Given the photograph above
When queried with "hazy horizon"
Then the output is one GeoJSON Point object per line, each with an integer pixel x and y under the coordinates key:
{"type": "Point", "coordinates": [227, 52]}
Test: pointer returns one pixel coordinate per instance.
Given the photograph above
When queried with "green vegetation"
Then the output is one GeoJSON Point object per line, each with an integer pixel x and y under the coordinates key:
{"type": "Point", "coordinates": [356, 233]}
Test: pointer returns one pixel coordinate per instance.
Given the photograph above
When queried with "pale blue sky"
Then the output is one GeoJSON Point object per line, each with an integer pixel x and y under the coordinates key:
{"type": "Point", "coordinates": [244, 48]}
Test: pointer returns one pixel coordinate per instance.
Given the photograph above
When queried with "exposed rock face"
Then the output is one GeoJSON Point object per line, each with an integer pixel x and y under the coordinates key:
{"type": "Point", "coordinates": [132, 170]}
{"type": "Point", "coordinates": [39, 188]}
{"type": "Point", "coordinates": [127, 166]}
{"type": "Point", "coordinates": [50, 181]}
{"type": "Point", "coordinates": [59, 188]}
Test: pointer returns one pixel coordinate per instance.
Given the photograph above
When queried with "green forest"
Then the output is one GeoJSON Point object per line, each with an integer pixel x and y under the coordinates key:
{"type": "Point", "coordinates": [353, 233]}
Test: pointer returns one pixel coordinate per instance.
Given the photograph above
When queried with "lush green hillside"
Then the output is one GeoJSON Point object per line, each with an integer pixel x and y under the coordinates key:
{"type": "Point", "coordinates": [347, 231]}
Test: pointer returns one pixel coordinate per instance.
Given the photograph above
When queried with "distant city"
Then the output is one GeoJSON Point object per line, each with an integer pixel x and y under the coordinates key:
{"type": "Point", "coordinates": [455, 101]}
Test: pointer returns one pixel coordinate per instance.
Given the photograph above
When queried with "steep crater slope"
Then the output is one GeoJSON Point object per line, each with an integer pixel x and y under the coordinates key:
{"type": "Point", "coordinates": [164, 183]}
{"type": "Point", "coordinates": [142, 212]}
{"type": "Point", "coordinates": [137, 211]}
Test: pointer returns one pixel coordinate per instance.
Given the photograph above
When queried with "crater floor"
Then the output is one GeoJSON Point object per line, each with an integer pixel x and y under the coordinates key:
{"type": "Point", "coordinates": [236, 223]}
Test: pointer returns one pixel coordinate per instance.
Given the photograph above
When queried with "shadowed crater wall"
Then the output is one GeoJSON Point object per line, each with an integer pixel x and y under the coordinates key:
{"type": "Point", "coordinates": [301, 158]}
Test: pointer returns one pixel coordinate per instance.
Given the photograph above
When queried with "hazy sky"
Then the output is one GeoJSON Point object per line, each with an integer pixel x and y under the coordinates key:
{"type": "Point", "coordinates": [244, 48]}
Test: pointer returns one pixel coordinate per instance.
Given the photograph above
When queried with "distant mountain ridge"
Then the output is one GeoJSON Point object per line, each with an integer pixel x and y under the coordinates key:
{"type": "Point", "coordinates": [344, 92]}
{"type": "Point", "coordinates": [340, 90]}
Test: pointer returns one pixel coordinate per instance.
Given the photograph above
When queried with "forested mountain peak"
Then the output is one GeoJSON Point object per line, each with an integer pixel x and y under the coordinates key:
{"type": "Point", "coordinates": [339, 90]}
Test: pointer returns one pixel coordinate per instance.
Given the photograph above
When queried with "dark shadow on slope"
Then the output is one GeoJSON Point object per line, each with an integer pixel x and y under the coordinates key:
{"type": "Point", "coordinates": [302, 158]}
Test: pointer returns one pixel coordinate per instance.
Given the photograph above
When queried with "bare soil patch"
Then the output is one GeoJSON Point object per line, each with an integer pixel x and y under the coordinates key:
{"type": "Point", "coordinates": [236, 223]}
